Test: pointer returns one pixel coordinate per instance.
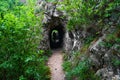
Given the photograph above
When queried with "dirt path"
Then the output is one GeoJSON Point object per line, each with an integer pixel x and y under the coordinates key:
{"type": "Point", "coordinates": [55, 64]}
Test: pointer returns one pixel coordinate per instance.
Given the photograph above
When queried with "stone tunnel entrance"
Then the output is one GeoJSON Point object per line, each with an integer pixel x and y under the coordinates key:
{"type": "Point", "coordinates": [56, 37]}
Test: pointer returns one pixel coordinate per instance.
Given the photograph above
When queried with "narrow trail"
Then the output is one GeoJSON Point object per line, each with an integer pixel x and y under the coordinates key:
{"type": "Point", "coordinates": [55, 63]}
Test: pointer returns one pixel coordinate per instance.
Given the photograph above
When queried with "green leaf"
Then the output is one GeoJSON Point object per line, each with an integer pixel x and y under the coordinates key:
{"type": "Point", "coordinates": [51, 0]}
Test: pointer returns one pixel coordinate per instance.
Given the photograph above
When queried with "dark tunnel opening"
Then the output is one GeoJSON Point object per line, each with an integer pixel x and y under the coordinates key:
{"type": "Point", "coordinates": [56, 36]}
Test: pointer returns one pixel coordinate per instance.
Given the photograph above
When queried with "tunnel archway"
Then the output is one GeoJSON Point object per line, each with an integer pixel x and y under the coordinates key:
{"type": "Point", "coordinates": [56, 37]}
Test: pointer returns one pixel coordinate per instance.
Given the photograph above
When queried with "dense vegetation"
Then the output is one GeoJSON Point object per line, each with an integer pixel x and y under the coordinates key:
{"type": "Point", "coordinates": [85, 12]}
{"type": "Point", "coordinates": [101, 14]}
{"type": "Point", "coordinates": [20, 36]}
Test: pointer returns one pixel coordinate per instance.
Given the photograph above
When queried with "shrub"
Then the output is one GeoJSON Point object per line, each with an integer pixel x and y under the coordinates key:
{"type": "Point", "coordinates": [19, 38]}
{"type": "Point", "coordinates": [81, 71]}
{"type": "Point", "coordinates": [116, 62]}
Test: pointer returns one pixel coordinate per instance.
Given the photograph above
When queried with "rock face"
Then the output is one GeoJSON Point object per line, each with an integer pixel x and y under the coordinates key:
{"type": "Point", "coordinates": [105, 60]}
{"type": "Point", "coordinates": [52, 21]}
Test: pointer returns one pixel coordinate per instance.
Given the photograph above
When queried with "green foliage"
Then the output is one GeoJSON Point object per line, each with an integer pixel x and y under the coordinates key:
{"type": "Point", "coordinates": [85, 12]}
{"type": "Point", "coordinates": [81, 71]}
{"type": "Point", "coordinates": [89, 39]}
{"type": "Point", "coordinates": [50, 0]}
{"type": "Point", "coordinates": [106, 44]}
{"type": "Point", "coordinates": [67, 66]}
{"type": "Point", "coordinates": [116, 62]}
{"type": "Point", "coordinates": [19, 38]}
{"type": "Point", "coordinates": [111, 39]}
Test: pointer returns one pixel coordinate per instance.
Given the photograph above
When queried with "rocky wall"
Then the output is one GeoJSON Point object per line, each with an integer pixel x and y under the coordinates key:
{"type": "Point", "coordinates": [101, 57]}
